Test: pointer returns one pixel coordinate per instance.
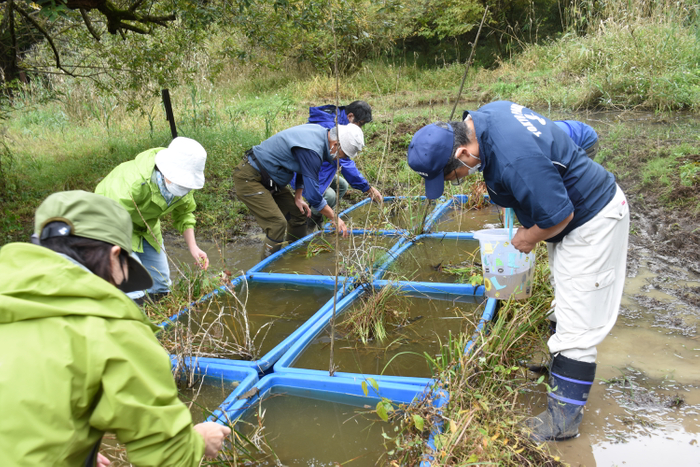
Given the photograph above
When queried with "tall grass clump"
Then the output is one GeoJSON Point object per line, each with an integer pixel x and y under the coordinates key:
{"type": "Point", "coordinates": [377, 310]}
{"type": "Point", "coordinates": [634, 55]}
{"type": "Point", "coordinates": [480, 424]}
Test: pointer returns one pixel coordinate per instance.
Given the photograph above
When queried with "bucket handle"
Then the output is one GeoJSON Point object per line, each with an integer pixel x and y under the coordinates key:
{"type": "Point", "coordinates": [508, 221]}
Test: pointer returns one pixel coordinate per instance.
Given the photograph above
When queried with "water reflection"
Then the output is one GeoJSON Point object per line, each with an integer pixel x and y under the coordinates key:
{"type": "Point", "coordinates": [645, 408]}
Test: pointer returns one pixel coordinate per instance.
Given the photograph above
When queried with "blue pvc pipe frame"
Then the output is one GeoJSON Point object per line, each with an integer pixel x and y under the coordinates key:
{"type": "Point", "coordinates": [284, 364]}
{"type": "Point", "coordinates": [221, 369]}
{"type": "Point", "coordinates": [323, 387]}
{"type": "Point", "coordinates": [317, 383]}
{"type": "Point", "coordinates": [264, 364]}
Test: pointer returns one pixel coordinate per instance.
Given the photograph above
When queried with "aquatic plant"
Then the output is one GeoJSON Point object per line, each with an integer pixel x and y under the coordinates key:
{"type": "Point", "coordinates": [318, 245]}
{"type": "Point", "coordinates": [401, 213]}
{"type": "Point", "coordinates": [480, 422]}
{"type": "Point", "coordinates": [468, 271]}
{"type": "Point", "coordinates": [376, 310]}
{"type": "Point", "coordinates": [209, 328]}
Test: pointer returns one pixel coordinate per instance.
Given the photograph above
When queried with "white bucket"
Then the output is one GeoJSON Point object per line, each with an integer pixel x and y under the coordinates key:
{"type": "Point", "coordinates": [507, 271]}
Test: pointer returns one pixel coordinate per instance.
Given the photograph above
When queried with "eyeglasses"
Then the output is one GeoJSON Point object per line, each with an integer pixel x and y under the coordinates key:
{"type": "Point", "coordinates": [458, 181]}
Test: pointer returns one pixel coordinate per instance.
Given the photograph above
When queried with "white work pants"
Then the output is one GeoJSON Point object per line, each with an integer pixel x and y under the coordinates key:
{"type": "Point", "coordinates": [588, 269]}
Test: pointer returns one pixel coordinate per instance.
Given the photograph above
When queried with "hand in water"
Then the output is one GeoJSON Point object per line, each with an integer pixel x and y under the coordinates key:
{"type": "Point", "coordinates": [342, 227]}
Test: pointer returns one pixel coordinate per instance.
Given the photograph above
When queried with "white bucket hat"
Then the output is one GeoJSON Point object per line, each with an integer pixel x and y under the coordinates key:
{"type": "Point", "coordinates": [351, 139]}
{"type": "Point", "coordinates": [182, 162]}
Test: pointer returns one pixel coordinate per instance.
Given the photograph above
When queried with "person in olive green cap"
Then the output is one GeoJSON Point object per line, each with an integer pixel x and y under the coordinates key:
{"type": "Point", "coordinates": [159, 181]}
{"type": "Point", "coordinates": [77, 356]}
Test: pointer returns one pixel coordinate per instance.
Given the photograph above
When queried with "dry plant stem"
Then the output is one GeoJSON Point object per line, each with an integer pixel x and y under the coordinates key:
{"type": "Point", "coordinates": [387, 140]}
{"type": "Point", "coordinates": [469, 62]}
{"type": "Point", "coordinates": [331, 369]}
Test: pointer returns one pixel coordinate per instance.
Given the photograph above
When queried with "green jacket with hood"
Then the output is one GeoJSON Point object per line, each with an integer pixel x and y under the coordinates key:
{"type": "Point", "coordinates": [77, 359]}
{"type": "Point", "coordinates": [132, 185]}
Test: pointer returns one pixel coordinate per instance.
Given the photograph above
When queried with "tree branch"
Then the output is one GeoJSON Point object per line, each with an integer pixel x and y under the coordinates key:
{"type": "Point", "coordinates": [46, 35]}
{"type": "Point", "coordinates": [88, 24]}
{"type": "Point", "coordinates": [11, 21]}
{"type": "Point", "coordinates": [116, 17]}
{"type": "Point", "coordinates": [136, 4]}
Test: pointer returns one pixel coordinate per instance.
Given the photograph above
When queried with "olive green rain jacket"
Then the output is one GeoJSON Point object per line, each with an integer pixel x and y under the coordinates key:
{"type": "Point", "coordinates": [132, 185]}
{"type": "Point", "coordinates": [78, 358]}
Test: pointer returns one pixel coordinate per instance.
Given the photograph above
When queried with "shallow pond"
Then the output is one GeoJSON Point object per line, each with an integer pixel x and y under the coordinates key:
{"type": "Point", "coordinates": [428, 259]}
{"type": "Point", "coordinates": [644, 409]}
{"type": "Point", "coordinates": [307, 432]}
{"type": "Point", "coordinates": [430, 321]}
{"type": "Point", "coordinates": [395, 214]}
{"type": "Point", "coordinates": [254, 320]}
{"type": "Point", "coordinates": [355, 254]}
{"type": "Point", "coordinates": [461, 218]}
{"type": "Point", "coordinates": [205, 396]}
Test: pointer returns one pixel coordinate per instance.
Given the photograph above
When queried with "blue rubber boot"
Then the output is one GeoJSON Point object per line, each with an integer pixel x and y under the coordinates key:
{"type": "Point", "coordinates": [570, 381]}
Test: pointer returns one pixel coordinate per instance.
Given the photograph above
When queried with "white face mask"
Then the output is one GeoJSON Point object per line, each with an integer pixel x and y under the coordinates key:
{"type": "Point", "coordinates": [471, 170]}
{"type": "Point", "coordinates": [176, 190]}
{"type": "Point", "coordinates": [475, 169]}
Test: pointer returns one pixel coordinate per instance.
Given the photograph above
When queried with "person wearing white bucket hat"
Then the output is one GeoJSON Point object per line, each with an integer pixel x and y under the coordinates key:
{"type": "Point", "coordinates": [560, 196]}
{"type": "Point", "coordinates": [159, 181]}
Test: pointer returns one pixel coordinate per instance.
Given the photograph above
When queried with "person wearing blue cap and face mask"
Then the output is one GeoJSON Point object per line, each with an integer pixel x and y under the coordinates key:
{"type": "Point", "coordinates": [560, 196]}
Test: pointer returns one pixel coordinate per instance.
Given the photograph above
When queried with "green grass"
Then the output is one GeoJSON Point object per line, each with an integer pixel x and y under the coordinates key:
{"type": "Point", "coordinates": [480, 422]}
{"type": "Point", "coordinates": [615, 65]}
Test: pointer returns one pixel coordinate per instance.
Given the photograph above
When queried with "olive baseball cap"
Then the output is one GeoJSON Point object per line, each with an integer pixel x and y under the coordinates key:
{"type": "Point", "coordinates": [96, 217]}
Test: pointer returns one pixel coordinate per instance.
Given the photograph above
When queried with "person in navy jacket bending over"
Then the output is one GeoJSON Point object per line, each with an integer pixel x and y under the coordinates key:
{"type": "Point", "coordinates": [359, 113]}
{"type": "Point", "coordinates": [560, 196]}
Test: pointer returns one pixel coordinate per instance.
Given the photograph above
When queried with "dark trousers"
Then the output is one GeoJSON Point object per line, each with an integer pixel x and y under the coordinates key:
{"type": "Point", "coordinates": [275, 213]}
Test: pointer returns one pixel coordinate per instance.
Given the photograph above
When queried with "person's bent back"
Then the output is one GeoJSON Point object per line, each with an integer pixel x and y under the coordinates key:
{"type": "Point", "coordinates": [77, 356]}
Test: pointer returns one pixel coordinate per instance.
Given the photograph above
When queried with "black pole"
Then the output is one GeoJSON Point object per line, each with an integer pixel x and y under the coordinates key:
{"type": "Point", "coordinates": [169, 112]}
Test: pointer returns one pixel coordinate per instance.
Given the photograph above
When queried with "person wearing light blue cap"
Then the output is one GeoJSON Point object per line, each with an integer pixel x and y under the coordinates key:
{"type": "Point", "coordinates": [560, 196]}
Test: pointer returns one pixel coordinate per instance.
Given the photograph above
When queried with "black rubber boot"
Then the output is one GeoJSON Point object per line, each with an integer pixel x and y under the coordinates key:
{"type": "Point", "coordinates": [270, 247]}
{"type": "Point", "coordinates": [294, 234]}
{"type": "Point", "coordinates": [156, 297]}
{"type": "Point", "coordinates": [570, 381]}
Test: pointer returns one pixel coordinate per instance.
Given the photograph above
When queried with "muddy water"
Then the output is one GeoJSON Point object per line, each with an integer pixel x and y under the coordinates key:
{"type": "Point", "coordinates": [391, 215]}
{"type": "Point", "coordinates": [401, 353]}
{"type": "Point", "coordinates": [460, 218]}
{"type": "Point", "coordinates": [236, 256]}
{"type": "Point", "coordinates": [356, 253]}
{"type": "Point", "coordinates": [426, 260]}
{"type": "Point", "coordinates": [254, 321]}
{"type": "Point", "coordinates": [309, 432]}
{"type": "Point", "coordinates": [205, 396]}
{"type": "Point", "coordinates": [644, 409]}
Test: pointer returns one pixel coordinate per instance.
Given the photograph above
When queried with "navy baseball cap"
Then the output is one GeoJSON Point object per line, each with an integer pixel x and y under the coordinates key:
{"type": "Point", "coordinates": [428, 154]}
